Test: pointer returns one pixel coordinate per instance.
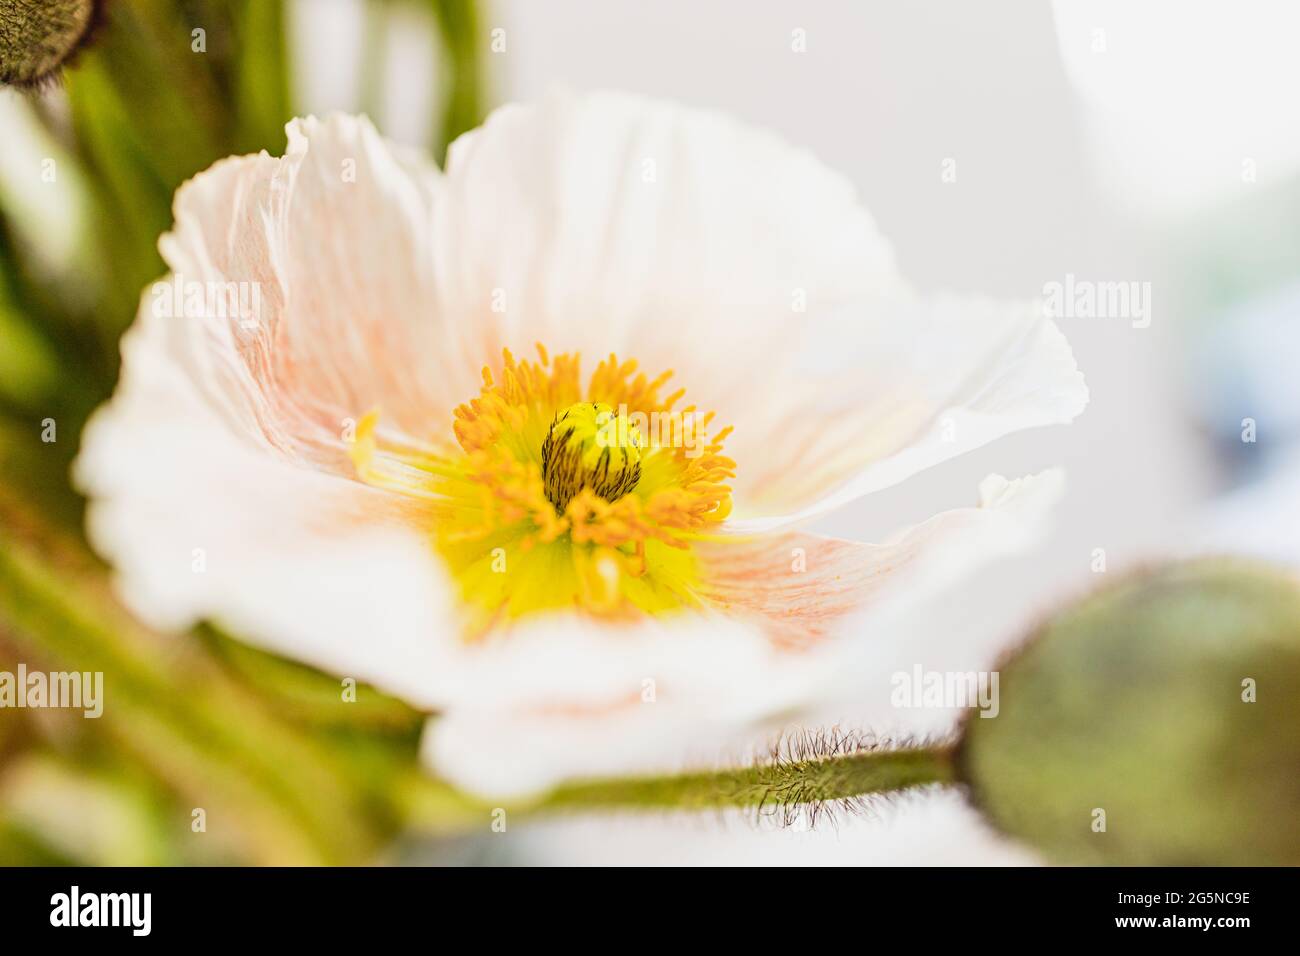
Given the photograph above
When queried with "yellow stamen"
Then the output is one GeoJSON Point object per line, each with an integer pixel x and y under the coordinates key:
{"type": "Point", "coordinates": [563, 497]}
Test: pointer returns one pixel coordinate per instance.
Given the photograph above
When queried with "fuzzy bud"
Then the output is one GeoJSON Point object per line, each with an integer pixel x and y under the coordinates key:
{"type": "Point", "coordinates": [37, 37]}
{"type": "Point", "coordinates": [1155, 723]}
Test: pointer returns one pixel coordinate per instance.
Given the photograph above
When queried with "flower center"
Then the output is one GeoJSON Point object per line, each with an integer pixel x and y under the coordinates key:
{"type": "Point", "coordinates": [551, 499]}
{"type": "Point", "coordinates": [589, 445]}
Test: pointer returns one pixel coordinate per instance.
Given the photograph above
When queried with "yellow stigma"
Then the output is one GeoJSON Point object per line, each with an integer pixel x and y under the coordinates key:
{"type": "Point", "coordinates": [591, 446]}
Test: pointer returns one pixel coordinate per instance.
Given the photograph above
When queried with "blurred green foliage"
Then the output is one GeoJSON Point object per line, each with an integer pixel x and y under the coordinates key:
{"type": "Point", "coordinates": [285, 771]}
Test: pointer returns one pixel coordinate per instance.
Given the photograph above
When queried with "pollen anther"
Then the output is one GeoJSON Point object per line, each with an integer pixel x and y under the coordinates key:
{"type": "Point", "coordinates": [590, 446]}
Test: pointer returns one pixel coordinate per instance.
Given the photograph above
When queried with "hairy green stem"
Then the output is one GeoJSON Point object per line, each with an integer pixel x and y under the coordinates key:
{"type": "Point", "coordinates": [765, 785]}
{"type": "Point", "coordinates": [779, 786]}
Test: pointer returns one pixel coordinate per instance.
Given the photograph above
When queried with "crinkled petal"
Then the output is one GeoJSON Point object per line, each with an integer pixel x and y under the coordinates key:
{"type": "Point", "coordinates": [943, 376]}
{"type": "Point", "coordinates": [219, 474]}
{"type": "Point", "coordinates": [800, 588]}
{"type": "Point", "coordinates": [682, 238]}
{"type": "Point", "coordinates": [199, 525]}
{"type": "Point", "coordinates": [607, 222]}
{"type": "Point", "coordinates": [571, 698]}
{"type": "Point", "coordinates": [330, 250]}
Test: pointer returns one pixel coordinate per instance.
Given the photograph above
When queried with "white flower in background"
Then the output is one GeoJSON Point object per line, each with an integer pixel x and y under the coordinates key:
{"type": "Point", "coordinates": [402, 472]}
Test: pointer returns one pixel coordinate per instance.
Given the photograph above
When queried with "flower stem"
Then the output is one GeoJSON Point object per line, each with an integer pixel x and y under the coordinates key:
{"type": "Point", "coordinates": [779, 787]}
{"type": "Point", "coordinates": [773, 785]}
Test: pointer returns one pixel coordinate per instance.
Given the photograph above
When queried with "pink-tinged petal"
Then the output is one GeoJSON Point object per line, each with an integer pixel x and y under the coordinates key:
{"type": "Point", "coordinates": [330, 248]}
{"type": "Point", "coordinates": [201, 522]}
{"type": "Point", "coordinates": [799, 588]}
{"type": "Point", "coordinates": [569, 697]}
{"type": "Point", "coordinates": [223, 487]}
{"type": "Point", "coordinates": [928, 380]}
{"type": "Point", "coordinates": [219, 476]}
{"type": "Point", "coordinates": [607, 222]}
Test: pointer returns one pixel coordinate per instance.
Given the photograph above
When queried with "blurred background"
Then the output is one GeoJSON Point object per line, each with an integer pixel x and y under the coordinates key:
{"type": "Point", "coordinates": [1001, 147]}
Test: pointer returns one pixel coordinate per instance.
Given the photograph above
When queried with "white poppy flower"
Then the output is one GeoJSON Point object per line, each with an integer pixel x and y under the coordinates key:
{"type": "Point", "coordinates": [396, 467]}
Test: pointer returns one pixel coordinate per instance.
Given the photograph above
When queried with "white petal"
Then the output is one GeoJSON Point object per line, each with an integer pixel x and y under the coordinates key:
{"type": "Point", "coordinates": [564, 698]}
{"type": "Point", "coordinates": [335, 241]}
{"type": "Point", "coordinates": [214, 474]}
{"type": "Point", "coordinates": [378, 285]}
{"type": "Point", "coordinates": [927, 380]}
{"type": "Point", "coordinates": [570, 697]}
{"type": "Point", "coordinates": [198, 523]}
{"type": "Point", "coordinates": [924, 829]}
{"type": "Point", "coordinates": [678, 237]}
{"type": "Point", "coordinates": [805, 589]}
{"type": "Point", "coordinates": [686, 240]}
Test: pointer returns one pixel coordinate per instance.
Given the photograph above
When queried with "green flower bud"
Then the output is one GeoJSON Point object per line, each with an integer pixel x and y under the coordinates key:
{"type": "Point", "coordinates": [1157, 722]}
{"type": "Point", "coordinates": [38, 36]}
